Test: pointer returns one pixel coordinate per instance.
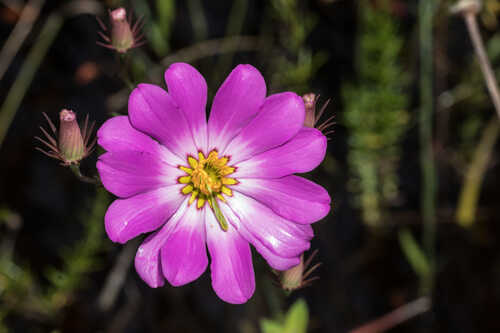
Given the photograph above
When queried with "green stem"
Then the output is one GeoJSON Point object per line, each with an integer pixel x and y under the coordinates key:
{"type": "Point", "coordinates": [76, 170]}
{"type": "Point", "coordinates": [428, 169]}
{"type": "Point", "coordinates": [469, 196]}
{"type": "Point", "coordinates": [18, 90]}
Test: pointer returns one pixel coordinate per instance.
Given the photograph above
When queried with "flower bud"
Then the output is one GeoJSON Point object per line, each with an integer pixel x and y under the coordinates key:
{"type": "Point", "coordinates": [123, 36]}
{"type": "Point", "coordinates": [310, 105]}
{"type": "Point", "coordinates": [312, 117]}
{"type": "Point", "coordinates": [297, 277]}
{"type": "Point", "coordinates": [72, 145]}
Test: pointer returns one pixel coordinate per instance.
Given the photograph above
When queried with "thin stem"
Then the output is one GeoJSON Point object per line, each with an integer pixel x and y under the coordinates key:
{"type": "Point", "coordinates": [469, 195]}
{"type": "Point", "coordinates": [76, 170]}
{"type": "Point", "coordinates": [484, 62]}
{"type": "Point", "coordinates": [396, 317]}
{"type": "Point", "coordinates": [428, 169]}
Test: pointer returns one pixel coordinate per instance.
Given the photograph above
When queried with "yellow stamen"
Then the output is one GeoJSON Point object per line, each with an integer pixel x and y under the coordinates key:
{"type": "Point", "coordinates": [192, 162]}
{"type": "Point", "coordinates": [187, 189]}
{"type": "Point", "coordinates": [229, 181]}
{"type": "Point", "coordinates": [186, 170]}
{"type": "Point", "coordinates": [206, 181]}
{"type": "Point", "coordinates": [184, 179]}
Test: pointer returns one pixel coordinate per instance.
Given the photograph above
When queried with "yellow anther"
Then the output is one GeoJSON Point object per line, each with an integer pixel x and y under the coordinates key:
{"type": "Point", "coordinates": [192, 162]}
{"type": "Point", "coordinates": [227, 171]}
{"type": "Point", "coordinates": [227, 191]}
{"type": "Point", "coordinates": [200, 203]}
{"type": "Point", "coordinates": [184, 179]}
{"type": "Point", "coordinates": [229, 181]}
{"type": "Point", "coordinates": [201, 157]}
{"type": "Point", "coordinates": [193, 197]}
{"type": "Point", "coordinates": [221, 197]}
{"type": "Point", "coordinates": [187, 189]}
{"type": "Point", "coordinates": [186, 170]}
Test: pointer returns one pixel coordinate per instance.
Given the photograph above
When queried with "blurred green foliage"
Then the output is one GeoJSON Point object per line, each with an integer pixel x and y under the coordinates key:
{"type": "Point", "coordinates": [375, 112]}
{"type": "Point", "coordinates": [294, 321]}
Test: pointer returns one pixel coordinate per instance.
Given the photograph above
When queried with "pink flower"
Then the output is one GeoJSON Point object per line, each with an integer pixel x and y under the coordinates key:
{"type": "Point", "coordinates": [220, 184]}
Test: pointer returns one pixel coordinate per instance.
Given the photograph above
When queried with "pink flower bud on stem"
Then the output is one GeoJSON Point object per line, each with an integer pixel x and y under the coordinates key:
{"type": "Point", "coordinates": [312, 117]}
{"type": "Point", "coordinates": [123, 36]}
{"type": "Point", "coordinates": [297, 277]}
{"type": "Point", "coordinates": [71, 147]}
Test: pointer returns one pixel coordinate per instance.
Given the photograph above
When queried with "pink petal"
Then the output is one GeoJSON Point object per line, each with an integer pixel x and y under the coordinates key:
{"type": "Point", "coordinates": [184, 255]}
{"type": "Point", "coordinates": [127, 173]}
{"type": "Point", "coordinates": [280, 118]}
{"type": "Point", "coordinates": [153, 111]}
{"type": "Point", "coordinates": [274, 260]}
{"type": "Point", "coordinates": [117, 134]}
{"type": "Point", "coordinates": [189, 90]}
{"type": "Point", "coordinates": [147, 258]}
{"type": "Point", "coordinates": [283, 237]}
{"type": "Point", "coordinates": [303, 153]}
{"type": "Point", "coordinates": [294, 198]}
{"type": "Point", "coordinates": [236, 103]}
{"type": "Point", "coordinates": [145, 212]}
{"type": "Point", "coordinates": [231, 268]}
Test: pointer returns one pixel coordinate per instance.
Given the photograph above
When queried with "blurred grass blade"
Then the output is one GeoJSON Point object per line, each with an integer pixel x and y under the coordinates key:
{"type": "Point", "coordinates": [414, 254]}
{"type": "Point", "coordinates": [469, 195]}
{"type": "Point", "coordinates": [26, 74]}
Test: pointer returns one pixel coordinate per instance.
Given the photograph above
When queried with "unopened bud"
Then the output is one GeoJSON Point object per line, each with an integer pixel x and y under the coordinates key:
{"type": "Point", "coordinates": [72, 145]}
{"type": "Point", "coordinates": [310, 105]}
{"type": "Point", "coordinates": [312, 115]}
{"type": "Point", "coordinates": [298, 277]}
{"type": "Point", "coordinates": [123, 36]}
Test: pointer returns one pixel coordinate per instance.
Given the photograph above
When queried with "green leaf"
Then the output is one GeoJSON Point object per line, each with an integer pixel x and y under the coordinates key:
{"type": "Point", "coordinates": [297, 318]}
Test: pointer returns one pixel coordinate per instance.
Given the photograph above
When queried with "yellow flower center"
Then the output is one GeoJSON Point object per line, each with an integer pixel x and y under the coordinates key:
{"type": "Point", "coordinates": [206, 180]}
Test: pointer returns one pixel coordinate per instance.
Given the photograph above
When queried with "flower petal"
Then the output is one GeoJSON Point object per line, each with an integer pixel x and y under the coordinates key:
{"type": "Point", "coordinates": [274, 260]}
{"type": "Point", "coordinates": [127, 173]}
{"type": "Point", "coordinates": [117, 134]}
{"type": "Point", "coordinates": [280, 118]}
{"type": "Point", "coordinates": [153, 111]}
{"type": "Point", "coordinates": [301, 154]}
{"type": "Point", "coordinates": [292, 197]}
{"type": "Point", "coordinates": [128, 218]}
{"type": "Point", "coordinates": [189, 90]}
{"type": "Point", "coordinates": [184, 255]}
{"type": "Point", "coordinates": [283, 237]}
{"type": "Point", "coordinates": [237, 101]}
{"type": "Point", "coordinates": [147, 258]}
{"type": "Point", "coordinates": [231, 268]}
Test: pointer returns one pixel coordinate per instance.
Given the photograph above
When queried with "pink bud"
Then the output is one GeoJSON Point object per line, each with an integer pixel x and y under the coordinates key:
{"type": "Point", "coordinates": [310, 104]}
{"type": "Point", "coordinates": [71, 146]}
{"type": "Point", "coordinates": [122, 37]}
{"type": "Point", "coordinates": [298, 277]}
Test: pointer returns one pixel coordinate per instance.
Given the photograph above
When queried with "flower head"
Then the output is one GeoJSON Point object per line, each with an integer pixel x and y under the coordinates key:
{"type": "Point", "coordinates": [123, 37]}
{"type": "Point", "coordinates": [220, 184]}
{"type": "Point", "coordinates": [72, 145]}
